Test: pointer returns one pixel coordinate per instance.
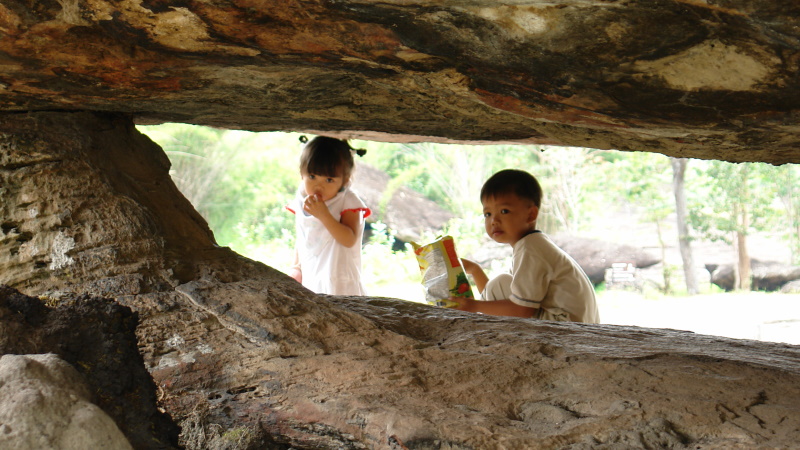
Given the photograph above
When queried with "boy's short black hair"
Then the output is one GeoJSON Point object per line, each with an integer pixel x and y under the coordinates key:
{"type": "Point", "coordinates": [513, 181]}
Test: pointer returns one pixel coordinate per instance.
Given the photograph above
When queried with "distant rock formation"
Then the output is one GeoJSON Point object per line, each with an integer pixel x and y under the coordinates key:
{"type": "Point", "coordinates": [596, 256]}
{"type": "Point", "coordinates": [405, 212]}
{"type": "Point", "coordinates": [767, 276]}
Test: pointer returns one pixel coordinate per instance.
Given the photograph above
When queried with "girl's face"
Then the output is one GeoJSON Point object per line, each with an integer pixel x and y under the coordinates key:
{"type": "Point", "coordinates": [324, 187]}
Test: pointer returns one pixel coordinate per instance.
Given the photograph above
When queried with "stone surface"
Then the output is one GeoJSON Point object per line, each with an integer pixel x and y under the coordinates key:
{"type": "Point", "coordinates": [90, 390]}
{"type": "Point", "coordinates": [44, 403]}
{"type": "Point", "coordinates": [242, 353]}
{"type": "Point", "coordinates": [701, 79]}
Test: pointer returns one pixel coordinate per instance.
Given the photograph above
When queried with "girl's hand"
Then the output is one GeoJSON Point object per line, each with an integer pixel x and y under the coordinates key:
{"type": "Point", "coordinates": [314, 205]}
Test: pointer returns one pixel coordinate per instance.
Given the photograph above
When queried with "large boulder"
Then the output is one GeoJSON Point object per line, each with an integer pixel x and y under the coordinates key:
{"type": "Point", "coordinates": [94, 375]}
{"type": "Point", "coordinates": [596, 256]}
{"type": "Point", "coordinates": [45, 403]}
{"type": "Point", "coordinates": [767, 276]}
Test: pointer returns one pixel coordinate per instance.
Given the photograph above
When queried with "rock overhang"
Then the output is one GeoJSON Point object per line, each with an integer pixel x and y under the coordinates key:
{"type": "Point", "coordinates": [704, 80]}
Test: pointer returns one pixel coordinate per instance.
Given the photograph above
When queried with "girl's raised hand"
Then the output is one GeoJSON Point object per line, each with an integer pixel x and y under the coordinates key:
{"type": "Point", "coordinates": [314, 205]}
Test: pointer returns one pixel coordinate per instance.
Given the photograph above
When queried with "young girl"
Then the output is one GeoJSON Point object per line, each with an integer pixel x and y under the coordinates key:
{"type": "Point", "coordinates": [329, 219]}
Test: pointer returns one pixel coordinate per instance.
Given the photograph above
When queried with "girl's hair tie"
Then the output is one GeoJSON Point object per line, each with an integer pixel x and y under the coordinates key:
{"type": "Point", "coordinates": [360, 151]}
{"type": "Point", "coordinates": [303, 139]}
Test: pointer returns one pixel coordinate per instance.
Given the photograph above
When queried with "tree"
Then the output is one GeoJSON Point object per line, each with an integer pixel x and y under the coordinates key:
{"type": "Point", "coordinates": [739, 200]}
{"type": "Point", "coordinates": [787, 184]}
{"type": "Point", "coordinates": [684, 240]}
{"type": "Point", "coordinates": [642, 179]}
{"type": "Point", "coordinates": [564, 174]}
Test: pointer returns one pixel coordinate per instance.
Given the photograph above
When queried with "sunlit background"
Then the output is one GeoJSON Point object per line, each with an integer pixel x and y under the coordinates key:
{"type": "Point", "coordinates": [241, 181]}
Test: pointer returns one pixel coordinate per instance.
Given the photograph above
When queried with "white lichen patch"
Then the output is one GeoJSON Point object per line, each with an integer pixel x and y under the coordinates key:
{"type": "Point", "coordinates": [178, 28]}
{"type": "Point", "coordinates": [711, 65]}
{"type": "Point", "coordinates": [517, 21]}
{"type": "Point", "coordinates": [71, 13]}
{"type": "Point", "coordinates": [176, 341]}
{"type": "Point", "coordinates": [204, 348]}
{"type": "Point", "coordinates": [62, 244]}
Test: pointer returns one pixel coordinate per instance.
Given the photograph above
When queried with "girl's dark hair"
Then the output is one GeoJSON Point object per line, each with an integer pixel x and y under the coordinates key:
{"type": "Point", "coordinates": [512, 181]}
{"type": "Point", "coordinates": [328, 157]}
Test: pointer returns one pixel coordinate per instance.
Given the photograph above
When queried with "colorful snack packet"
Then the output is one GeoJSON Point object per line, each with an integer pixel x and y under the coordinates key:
{"type": "Point", "coordinates": [442, 274]}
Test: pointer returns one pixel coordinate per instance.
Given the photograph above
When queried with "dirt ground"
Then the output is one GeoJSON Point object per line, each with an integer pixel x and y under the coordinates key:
{"type": "Point", "coordinates": [760, 316]}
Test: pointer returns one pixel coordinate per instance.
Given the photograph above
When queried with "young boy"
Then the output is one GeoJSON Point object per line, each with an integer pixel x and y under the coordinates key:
{"type": "Point", "coordinates": [545, 282]}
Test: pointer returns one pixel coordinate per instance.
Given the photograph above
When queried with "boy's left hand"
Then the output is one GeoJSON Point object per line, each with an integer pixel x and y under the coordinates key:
{"type": "Point", "coordinates": [463, 303]}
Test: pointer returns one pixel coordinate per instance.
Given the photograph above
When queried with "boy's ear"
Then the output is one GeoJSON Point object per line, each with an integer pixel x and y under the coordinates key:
{"type": "Point", "coordinates": [533, 213]}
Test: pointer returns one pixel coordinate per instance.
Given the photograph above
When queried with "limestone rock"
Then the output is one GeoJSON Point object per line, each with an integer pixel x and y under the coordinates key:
{"type": "Point", "coordinates": [94, 374]}
{"type": "Point", "coordinates": [240, 350]}
{"type": "Point", "coordinates": [714, 80]}
{"type": "Point", "coordinates": [44, 403]}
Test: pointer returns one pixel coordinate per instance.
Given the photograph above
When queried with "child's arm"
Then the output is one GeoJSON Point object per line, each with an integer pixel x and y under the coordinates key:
{"type": "Point", "coordinates": [296, 270]}
{"type": "Point", "coordinates": [478, 275]}
{"type": "Point", "coordinates": [494, 307]}
{"type": "Point", "coordinates": [343, 231]}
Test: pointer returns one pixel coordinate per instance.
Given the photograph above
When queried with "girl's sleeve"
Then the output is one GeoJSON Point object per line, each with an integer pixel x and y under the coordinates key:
{"type": "Point", "coordinates": [353, 203]}
{"type": "Point", "coordinates": [295, 204]}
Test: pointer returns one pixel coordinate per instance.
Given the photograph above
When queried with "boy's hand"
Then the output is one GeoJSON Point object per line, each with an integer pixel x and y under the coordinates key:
{"type": "Point", "coordinates": [474, 270]}
{"type": "Point", "coordinates": [463, 303]}
{"type": "Point", "coordinates": [469, 266]}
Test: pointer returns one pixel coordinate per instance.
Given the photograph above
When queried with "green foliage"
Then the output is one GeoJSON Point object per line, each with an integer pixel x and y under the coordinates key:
{"type": "Point", "coordinates": [734, 198]}
{"type": "Point", "coordinates": [451, 175]}
{"type": "Point", "coordinates": [241, 181]}
{"type": "Point", "coordinates": [787, 184]}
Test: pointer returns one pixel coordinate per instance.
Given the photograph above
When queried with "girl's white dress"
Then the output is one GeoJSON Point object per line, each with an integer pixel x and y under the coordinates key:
{"type": "Point", "coordinates": [329, 267]}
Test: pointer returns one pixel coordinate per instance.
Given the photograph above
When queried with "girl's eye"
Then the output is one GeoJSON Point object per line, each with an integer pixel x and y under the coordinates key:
{"type": "Point", "coordinates": [330, 180]}
{"type": "Point", "coordinates": [311, 177]}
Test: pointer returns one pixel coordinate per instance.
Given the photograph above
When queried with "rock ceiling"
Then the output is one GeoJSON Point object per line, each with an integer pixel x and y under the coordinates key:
{"type": "Point", "coordinates": [691, 78]}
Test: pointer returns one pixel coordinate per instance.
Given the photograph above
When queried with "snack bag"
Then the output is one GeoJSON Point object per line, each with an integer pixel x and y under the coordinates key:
{"type": "Point", "coordinates": [442, 274]}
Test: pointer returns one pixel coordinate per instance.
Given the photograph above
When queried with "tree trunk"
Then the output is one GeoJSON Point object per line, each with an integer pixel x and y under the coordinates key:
{"type": "Point", "coordinates": [684, 240]}
{"type": "Point", "coordinates": [742, 221]}
{"type": "Point", "coordinates": [744, 270]}
{"type": "Point", "coordinates": [241, 350]}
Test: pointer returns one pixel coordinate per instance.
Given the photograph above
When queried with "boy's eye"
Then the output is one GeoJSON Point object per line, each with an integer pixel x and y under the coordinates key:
{"type": "Point", "coordinates": [487, 215]}
{"type": "Point", "coordinates": [504, 211]}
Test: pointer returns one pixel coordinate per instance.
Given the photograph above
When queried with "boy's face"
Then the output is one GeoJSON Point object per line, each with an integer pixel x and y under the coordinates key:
{"type": "Point", "coordinates": [508, 218]}
{"type": "Point", "coordinates": [324, 187]}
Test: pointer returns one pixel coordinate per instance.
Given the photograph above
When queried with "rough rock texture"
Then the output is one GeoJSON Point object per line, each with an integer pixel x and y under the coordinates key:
{"type": "Point", "coordinates": [704, 79]}
{"type": "Point", "coordinates": [241, 350]}
{"type": "Point", "coordinates": [96, 337]}
{"type": "Point", "coordinates": [44, 403]}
